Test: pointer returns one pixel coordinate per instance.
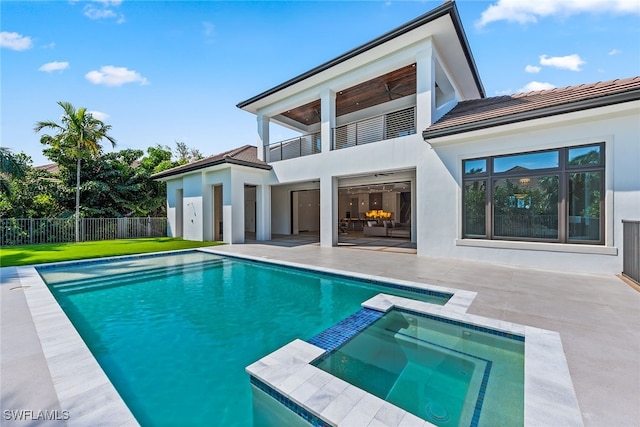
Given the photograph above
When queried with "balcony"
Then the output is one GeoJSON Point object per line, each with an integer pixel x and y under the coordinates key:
{"type": "Point", "coordinates": [373, 129]}
{"type": "Point", "coordinates": [304, 145]}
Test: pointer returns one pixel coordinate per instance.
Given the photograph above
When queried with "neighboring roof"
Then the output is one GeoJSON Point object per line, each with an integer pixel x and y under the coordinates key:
{"type": "Point", "coordinates": [51, 168]}
{"type": "Point", "coordinates": [489, 112]}
{"type": "Point", "coordinates": [247, 155]}
{"type": "Point", "coordinates": [447, 8]}
{"type": "Point", "coordinates": [54, 168]}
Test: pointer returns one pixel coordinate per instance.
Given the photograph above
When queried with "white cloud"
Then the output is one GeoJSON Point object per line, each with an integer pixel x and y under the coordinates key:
{"type": "Point", "coordinates": [615, 52]}
{"type": "Point", "coordinates": [569, 62]}
{"type": "Point", "coordinates": [49, 46]}
{"type": "Point", "coordinates": [532, 69]}
{"type": "Point", "coordinates": [54, 66]}
{"type": "Point", "coordinates": [104, 10]}
{"type": "Point", "coordinates": [536, 86]}
{"type": "Point", "coordinates": [115, 76]}
{"type": "Point", "coordinates": [108, 3]}
{"type": "Point", "coordinates": [15, 41]}
{"type": "Point", "coordinates": [99, 115]}
{"type": "Point", "coordinates": [528, 11]}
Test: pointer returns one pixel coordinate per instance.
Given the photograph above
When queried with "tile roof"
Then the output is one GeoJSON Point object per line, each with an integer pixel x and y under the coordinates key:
{"type": "Point", "coordinates": [50, 167]}
{"type": "Point", "coordinates": [488, 112]}
{"type": "Point", "coordinates": [247, 155]}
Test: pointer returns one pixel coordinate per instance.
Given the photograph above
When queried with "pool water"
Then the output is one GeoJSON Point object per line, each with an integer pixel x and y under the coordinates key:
{"type": "Point", "coordinates": [175, 333]}
{"type": "Point", "coordinates": [447, 373]}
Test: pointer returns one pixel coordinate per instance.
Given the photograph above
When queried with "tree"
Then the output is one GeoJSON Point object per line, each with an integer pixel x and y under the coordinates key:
{"type": "Point", "coordinates": [33, 194]}
{"type": "Point", "coordinates": [78, 136]}
{"type": "Point", "coordinates": [10, 167]}
{"type": "Point", "coordinates": [186, 154]}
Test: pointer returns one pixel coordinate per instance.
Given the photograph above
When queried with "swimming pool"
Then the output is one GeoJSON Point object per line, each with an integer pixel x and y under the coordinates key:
{"type": "Point", "coordinates": [174, 333]}
{"type": "Point", "coordinates": [448, 373]}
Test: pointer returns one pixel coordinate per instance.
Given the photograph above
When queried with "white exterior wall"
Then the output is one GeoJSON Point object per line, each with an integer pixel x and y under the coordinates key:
{"type": "Point", "coordinates": [192, 207]}
{"type": "Point", "coordinates": [198, 202]}
{"type": "Point", "coordinates": [440, 187]}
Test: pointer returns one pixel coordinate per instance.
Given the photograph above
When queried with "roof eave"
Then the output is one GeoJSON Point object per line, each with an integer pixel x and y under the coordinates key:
{"type": "Point", "coordinates": [169, 173]}
{"type": "Point", "coordinates": [535, 114]}
{"type": "Point", "coordinates": [442, 10]}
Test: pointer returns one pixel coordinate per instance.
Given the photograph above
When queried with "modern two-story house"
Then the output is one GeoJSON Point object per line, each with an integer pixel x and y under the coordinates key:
{"type": "Point", "coordinates": [399, 131]}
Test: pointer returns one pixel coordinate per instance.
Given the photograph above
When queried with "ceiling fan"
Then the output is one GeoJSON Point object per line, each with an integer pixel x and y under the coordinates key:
{"type": "Point", "coordinates": [392, 91]}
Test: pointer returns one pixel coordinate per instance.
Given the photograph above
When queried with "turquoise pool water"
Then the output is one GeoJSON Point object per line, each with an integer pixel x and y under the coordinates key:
{"type": "Point", "coordinates": [449, 374]}
{"type": "Point", "coordinates": [174, 333]}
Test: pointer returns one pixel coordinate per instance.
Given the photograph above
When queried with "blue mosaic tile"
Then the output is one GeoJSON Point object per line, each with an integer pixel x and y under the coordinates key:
{"type": "Point", "coordinates": [343, 331]}
{"type": "Point", "coordinates": [289, 404]}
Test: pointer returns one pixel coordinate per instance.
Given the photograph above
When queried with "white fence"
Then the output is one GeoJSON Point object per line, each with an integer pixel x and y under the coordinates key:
{"type": "Point", "coordinates": [30, 231]}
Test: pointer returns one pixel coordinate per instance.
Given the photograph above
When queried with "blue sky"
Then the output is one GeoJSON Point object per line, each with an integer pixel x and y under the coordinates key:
{"type": "Point", "coordinates": [160, 72]}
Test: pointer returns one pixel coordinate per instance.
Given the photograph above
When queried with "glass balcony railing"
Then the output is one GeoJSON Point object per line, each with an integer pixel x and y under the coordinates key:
{"type": "Point", "coordinates": [387, 126]}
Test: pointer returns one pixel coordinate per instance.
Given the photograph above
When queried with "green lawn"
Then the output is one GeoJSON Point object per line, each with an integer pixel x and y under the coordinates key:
{"type": "Point", "coordinates": [55, 252]}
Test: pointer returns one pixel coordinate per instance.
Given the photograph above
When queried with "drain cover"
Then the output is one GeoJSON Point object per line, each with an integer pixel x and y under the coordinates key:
{"type": "Point", "coordinates": [437, 412]}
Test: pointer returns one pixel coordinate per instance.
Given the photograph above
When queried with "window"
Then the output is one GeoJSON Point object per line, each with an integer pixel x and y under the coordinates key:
{"type": "Point", "coordinates": [551, 196]}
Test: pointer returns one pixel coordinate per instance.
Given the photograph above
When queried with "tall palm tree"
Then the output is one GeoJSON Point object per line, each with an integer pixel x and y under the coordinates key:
{"type": "Point", "coordinates": [79, 133]}
{"type": "Point", "coordinates": [10, 167]}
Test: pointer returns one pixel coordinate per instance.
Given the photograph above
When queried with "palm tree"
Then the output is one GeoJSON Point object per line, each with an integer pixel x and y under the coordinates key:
{"type": "Point", "coordinates": [10, 167]}
{"type": "Point", "coordinates": [79, 133]}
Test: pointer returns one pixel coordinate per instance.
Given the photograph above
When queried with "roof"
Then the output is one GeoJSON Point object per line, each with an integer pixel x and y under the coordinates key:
{"type": "Point", "coordinates": [447, 8]}
{"type": "Point", "coordinates": [247, 155]}
{"type": "Point", "coordinates": [489, 112]}
{"type": "Point", "coordinates": [50, 167]}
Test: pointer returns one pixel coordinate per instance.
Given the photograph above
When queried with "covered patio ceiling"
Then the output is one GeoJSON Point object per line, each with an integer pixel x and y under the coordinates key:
{"type": "Point", "coordinates": [393, 85]}
{"type": "Point", "coordinates": [396, 187]}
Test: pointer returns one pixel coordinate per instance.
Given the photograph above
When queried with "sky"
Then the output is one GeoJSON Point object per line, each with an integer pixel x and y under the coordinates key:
{"type": "Point", "coordinates": [161, 72]}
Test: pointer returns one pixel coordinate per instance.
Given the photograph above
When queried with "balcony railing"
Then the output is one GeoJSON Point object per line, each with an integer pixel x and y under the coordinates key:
{"type": "Point", "coordinates": [379, 128]}
{"type": "Point", "coordinates": [304, 145]}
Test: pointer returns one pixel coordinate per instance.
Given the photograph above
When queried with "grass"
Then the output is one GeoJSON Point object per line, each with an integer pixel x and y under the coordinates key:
{"type": "Point", "coordinates": [56, 252]}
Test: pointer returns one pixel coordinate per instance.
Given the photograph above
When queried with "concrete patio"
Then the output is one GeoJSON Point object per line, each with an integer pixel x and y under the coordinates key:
{"type": "Point", "coordinates": [597, 318]}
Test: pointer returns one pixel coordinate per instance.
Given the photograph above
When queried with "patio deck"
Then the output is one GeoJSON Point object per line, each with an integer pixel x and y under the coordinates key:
{"type": "Point", "coordinates": [596, 316]}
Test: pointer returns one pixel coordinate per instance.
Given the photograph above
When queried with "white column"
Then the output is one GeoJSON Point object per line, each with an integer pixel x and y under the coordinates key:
{"type": "Point", "coordinates": [328, 114]}
{"type": "Point", "coordinates": [328, 211]}
{"type": "Point", "coordinates": [234, 210]}
{"type": "Point", "coordinates": [425, 85]}
{"type": "Point", "coordinates": [207, 209]}
{"type": "Point", "coordinates": [263, 136]}
{"type": "Point", "coordinates": [414, 210]}
{"type": "Point", "coordinates": [263, 208]}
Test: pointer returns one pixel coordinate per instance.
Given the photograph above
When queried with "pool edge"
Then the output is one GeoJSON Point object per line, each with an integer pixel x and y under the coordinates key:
{"type": "Point", "coordinates": [549, 394]}
{"type": "Point", "coordinates": [80, 384]}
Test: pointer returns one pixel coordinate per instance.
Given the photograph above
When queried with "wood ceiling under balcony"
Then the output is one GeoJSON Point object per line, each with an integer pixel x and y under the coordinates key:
{"type": "Point", "coordinates": [385, 88]}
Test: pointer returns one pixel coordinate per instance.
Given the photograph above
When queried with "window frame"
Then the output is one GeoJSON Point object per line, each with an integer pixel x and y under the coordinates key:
{"type": "Point", "coordinates": [563, 171]}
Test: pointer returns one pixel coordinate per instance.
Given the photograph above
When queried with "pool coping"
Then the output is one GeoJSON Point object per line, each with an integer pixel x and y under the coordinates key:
{"type": "Point", "coordinates": [288, 375]}
{"type": "Point", "coordinates": [81, 386]}
{"type": "Point", "coordinates": [83, 389]}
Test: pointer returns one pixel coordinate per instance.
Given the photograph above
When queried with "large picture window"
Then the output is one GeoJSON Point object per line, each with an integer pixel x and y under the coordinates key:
{"type": "Point", "coordinates": [551, 196]}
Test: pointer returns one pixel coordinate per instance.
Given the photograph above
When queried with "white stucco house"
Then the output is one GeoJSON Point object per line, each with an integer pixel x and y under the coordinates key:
{"type": "Point", "coordinates": [400, 129]}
